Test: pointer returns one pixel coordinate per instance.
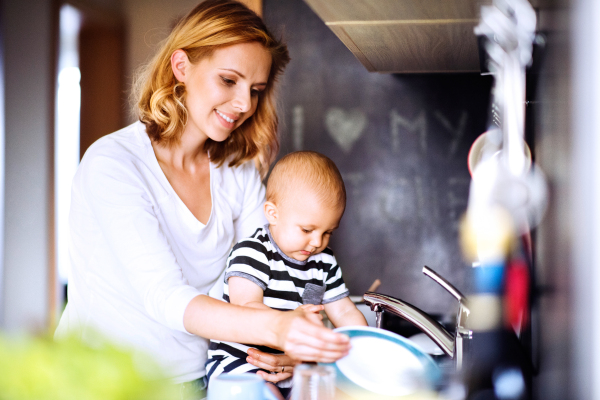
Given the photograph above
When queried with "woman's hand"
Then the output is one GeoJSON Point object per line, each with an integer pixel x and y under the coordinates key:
{"type": "Point", "coordinates": [302, 336]}
{"type": "Point", "coordinates": [299, 333]}
{"type": "Point", "coordinates": [281, 365]}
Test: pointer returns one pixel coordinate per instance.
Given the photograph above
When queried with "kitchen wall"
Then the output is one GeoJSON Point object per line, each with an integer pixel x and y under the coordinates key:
{"type": "Point", "coordinates": [401, 143]}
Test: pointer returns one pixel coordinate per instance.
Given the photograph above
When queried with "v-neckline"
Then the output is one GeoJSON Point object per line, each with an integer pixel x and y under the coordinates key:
{"type": "Point", "coordinates": [163, 177]}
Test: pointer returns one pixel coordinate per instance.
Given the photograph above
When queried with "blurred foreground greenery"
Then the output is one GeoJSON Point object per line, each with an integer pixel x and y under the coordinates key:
{"type": "Point", "coordinates": [38, 368]}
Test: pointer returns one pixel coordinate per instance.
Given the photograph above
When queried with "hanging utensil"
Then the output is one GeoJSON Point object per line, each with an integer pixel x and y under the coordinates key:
{"type": "Point", "coordinates": [505, 178]}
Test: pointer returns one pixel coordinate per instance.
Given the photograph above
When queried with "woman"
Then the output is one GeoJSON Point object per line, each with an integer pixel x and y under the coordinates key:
{"type": "Point", "coordinates": [156, 206]}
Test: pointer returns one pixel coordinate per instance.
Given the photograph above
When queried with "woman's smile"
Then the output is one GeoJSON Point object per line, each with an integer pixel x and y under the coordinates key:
{"type": "Point", "coordinates": [223, 89]}
{"type": "Point", "coordinates": [229, 121]}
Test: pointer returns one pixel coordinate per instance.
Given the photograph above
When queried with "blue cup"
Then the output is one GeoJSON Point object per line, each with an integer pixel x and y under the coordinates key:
{"type": "Point", "coordinates": [489, 278]}
{"type": "Point", "coordinates": [239, 387]}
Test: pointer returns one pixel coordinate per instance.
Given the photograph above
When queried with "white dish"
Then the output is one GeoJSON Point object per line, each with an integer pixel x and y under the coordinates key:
{"type": "Point", "coordinates": [383, 363]}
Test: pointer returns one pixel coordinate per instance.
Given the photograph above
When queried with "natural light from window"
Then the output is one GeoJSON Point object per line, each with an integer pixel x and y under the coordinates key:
{"type": "Point", "coordinates": [68, 102]}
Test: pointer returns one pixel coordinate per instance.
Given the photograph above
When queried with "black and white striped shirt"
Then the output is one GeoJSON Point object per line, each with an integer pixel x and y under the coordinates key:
{"type": "Point", "coordinates": [287, 284]}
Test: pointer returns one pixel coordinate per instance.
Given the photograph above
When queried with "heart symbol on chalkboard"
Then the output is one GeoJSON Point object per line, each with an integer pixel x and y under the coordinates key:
{"type": "Point", "coordinates": [345, 127]}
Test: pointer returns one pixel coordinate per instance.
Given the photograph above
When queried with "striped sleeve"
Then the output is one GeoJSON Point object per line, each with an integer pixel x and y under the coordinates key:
{"type": "Point", "coordinates": [335, 288]}
{"type": "Point", "coordinates": [248, 259]}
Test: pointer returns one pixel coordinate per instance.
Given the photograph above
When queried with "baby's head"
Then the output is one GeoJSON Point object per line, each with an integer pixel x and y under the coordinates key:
{"type": "Point", "coordinates": [306, 199]}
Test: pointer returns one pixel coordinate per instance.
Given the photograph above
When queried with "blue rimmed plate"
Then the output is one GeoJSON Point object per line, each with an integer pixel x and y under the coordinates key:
{"type": "Point", "coordinates": [383, 365]}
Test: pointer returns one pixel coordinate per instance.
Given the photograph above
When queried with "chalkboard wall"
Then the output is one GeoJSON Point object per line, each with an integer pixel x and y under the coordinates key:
{"type": "Point", "coordinates": [401, 144]}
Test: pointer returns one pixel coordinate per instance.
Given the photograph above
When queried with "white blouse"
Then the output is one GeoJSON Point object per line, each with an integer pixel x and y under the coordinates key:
{"type": "Point", "coordinates": [139, 256]}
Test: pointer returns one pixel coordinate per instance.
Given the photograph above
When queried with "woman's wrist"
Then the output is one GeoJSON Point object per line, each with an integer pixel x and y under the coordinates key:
{"type": "Point", "coordinates": [277, 331]}
{"type": "Point", "coordinates": [235, 323]}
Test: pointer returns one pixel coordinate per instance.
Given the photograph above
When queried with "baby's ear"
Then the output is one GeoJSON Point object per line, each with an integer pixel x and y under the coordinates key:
{"type": "Point", "coordinates": [271, 213]}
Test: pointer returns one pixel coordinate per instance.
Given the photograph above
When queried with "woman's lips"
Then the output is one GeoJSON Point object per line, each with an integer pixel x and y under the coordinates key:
{"type": "Point", "coordinates": [225, 119]}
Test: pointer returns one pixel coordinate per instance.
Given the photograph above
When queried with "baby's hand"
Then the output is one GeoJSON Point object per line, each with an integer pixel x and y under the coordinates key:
{"type": "Point", "coordinates": [312, 308]}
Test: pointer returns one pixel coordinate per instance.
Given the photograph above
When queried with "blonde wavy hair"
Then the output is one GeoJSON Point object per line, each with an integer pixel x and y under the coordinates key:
{"type": "Point", "coordinates": [161, 98]}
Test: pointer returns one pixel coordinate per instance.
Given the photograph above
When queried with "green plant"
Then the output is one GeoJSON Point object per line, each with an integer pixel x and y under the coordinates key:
{"type": "Point", "coordinates": [39, 368]}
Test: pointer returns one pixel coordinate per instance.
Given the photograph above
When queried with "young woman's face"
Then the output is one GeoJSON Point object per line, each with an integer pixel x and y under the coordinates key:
{"type": "Point", "coordinates": [223, 89]}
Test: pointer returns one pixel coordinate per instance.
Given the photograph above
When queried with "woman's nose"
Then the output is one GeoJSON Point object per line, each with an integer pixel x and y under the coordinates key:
{"type": "Point", "coordinates": [243, 100]}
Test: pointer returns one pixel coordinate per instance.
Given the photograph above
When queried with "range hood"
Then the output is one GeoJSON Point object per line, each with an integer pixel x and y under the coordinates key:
{"type": "Point", "coordinates": [405, 36]}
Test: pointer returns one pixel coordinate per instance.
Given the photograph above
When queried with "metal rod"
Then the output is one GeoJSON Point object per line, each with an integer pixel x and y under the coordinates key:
{"type": "Point", "coordinates": [417, 317]}
{"type": "Point", "coordinates": [444, 283]}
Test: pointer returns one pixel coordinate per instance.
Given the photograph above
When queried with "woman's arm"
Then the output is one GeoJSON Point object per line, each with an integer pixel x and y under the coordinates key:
{"type": "Point", "coordinates": [299, 334]}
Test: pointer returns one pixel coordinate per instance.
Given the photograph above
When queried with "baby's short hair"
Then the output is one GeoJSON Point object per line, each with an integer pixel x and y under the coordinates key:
{"type": "Point", "coordinates": [306, 170]}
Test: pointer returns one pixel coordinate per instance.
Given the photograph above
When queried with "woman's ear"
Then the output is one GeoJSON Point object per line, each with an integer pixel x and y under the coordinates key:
{"type": "Point", "coordinates": [179, 64]}
{"type": "Point", "coordinates": [271, 213]}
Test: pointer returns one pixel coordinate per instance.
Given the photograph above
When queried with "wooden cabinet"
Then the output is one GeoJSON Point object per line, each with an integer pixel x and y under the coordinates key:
{"type": "Point", "coordinates": [403, 36]}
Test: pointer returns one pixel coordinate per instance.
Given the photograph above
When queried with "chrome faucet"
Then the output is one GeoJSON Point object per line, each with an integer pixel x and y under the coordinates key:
{"type": "Point", "coordinates": [452, 345]}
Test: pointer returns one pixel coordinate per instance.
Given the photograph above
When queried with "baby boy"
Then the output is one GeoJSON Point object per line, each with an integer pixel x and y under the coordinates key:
{"type": "Point", "coordinates": [287, 264]}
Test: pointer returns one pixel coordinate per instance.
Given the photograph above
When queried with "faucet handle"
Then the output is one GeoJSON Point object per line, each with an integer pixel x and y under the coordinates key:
{"type": "Point", "coordinates": [463, 308]}
{"type": "Point", "coordinates": [445, 284]}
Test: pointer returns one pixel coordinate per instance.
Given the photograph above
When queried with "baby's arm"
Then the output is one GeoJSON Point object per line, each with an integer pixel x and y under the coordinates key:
{"type": "Point", "coordinates": [343, 312]}
{"type": "Point", "coordinates": [244, 292]}
{"type": "Point", "coordinates": [311, 308]}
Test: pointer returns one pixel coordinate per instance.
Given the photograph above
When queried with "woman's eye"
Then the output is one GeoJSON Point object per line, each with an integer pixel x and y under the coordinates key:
{"type": "Point", "coordinates": [257, 91]}
{"type": "Point", "coordinates": [227, 81]}
{"type": "Point", "coordinates": [306, 230]}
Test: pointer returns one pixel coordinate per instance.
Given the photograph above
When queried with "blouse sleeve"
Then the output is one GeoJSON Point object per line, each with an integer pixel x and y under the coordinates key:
{"type": "Point", "coordinates": [252, 215]}
{"type": "Point", "coordinates": [117, 195]}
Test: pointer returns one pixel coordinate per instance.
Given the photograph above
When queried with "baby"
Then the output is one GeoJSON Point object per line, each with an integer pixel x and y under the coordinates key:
{"type": "Point", "coordinates": [287, 264]}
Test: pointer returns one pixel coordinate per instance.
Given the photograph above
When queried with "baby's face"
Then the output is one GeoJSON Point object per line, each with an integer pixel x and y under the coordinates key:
{"type": "Point", "coordinates": [304, 225]}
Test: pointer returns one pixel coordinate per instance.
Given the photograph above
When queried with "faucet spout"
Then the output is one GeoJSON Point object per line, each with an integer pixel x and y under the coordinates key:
{"type": "Point", "coordinates": [429, 326]}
